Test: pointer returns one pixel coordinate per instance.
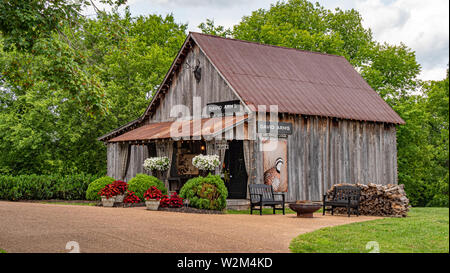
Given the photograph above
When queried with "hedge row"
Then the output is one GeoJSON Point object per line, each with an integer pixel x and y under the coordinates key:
{"type": "Point", "coordinates": [45, 187]}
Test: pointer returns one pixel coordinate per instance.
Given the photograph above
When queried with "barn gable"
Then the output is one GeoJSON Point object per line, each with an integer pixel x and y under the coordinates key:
{"type": "Point", "coordinates": [180, 86]}
{"type": "Point", "coordinates": [210, 88]}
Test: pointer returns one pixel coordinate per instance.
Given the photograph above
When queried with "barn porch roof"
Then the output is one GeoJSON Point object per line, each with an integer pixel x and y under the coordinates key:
{"type": "Point", "coordinates": [177, 129]}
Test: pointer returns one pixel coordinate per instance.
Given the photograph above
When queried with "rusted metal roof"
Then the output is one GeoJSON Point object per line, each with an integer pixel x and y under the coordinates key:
{"type": "Point", "coordinates": [165, 130]}
{"type": "Point", "coordinates": [299, 82]}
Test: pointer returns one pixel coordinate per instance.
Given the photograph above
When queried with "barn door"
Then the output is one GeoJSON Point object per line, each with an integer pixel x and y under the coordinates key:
{"type": "Point", "coordinates": [235, 165]}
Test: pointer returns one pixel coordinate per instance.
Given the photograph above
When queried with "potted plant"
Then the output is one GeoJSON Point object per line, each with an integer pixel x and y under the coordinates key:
{"type": "Point", "coordinates": [152, 197]}
{"type": "Point", "coordinates": [108, 194]}
{"type": "Point", "coordinates": [175, 201]}
{"type": "Point", "coordinates": [206, 163]}
{"type": "Point", "coordinates": [122, 187]}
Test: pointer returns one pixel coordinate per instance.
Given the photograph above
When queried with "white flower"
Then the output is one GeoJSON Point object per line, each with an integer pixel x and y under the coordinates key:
{"type": "Point", "coordinates": [206, 162]}
{"type": "Point", "coordinates": [157, 163]}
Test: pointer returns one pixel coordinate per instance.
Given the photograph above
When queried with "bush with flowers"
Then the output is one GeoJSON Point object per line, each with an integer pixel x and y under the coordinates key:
{"type": "Point", "coordinates": [96, 186]}
{"type": "Point", "coordinates": [121, 186]}
{"type": "Point", "coordinates": [153, 193]}
{"type": "Point", "coordinates": [131, 198]}
{"type": "Point", "coordinates": [165, 201]}
{"type": "Point", "coordinates": [109, 191]}
{"type": "Point", "coordinates": [175, 201]}
{"type": "Point", "coordinates": [142, 182]}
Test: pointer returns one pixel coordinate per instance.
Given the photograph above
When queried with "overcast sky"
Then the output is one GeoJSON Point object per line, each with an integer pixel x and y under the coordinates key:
{"type": "Point", "coordinates": [422, 25]}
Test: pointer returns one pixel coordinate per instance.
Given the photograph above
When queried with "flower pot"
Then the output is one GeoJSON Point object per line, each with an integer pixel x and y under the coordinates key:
{"type": "Point", "coordinates": [119, 198]}
{"type": "Point", "coordinates": [108, 202]}
{"type": "Point", "coordinates": [152, 204]}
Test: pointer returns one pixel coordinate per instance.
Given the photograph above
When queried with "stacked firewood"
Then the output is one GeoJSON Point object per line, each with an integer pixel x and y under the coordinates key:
{"type": "Point", "coordinates": [379, 200]}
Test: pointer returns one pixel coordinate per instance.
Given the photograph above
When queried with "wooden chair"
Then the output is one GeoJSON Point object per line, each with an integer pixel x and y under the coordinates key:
{"type": "Point", "coordinates": [263, 195]}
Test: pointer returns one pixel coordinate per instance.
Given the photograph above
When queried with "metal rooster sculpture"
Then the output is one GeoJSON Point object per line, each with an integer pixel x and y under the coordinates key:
{"type": "Point", "coordinates": [273, 175]}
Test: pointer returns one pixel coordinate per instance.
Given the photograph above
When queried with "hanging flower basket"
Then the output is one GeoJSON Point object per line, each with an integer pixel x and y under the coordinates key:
{"type": "Point", "coordinates": [160, 164]}
{"type": "Point", "coordinates": [206, 163]}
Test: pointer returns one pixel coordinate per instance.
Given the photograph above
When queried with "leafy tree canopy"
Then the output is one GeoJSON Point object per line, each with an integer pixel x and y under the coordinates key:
{"type": "Point", "coordinates": [69, 89]}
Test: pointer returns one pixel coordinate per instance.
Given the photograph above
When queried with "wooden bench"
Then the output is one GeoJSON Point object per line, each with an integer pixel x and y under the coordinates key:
{"type": "Point", "coordinates": [262, 195]}
{"type": "Point", "coordinates": [343, 196]}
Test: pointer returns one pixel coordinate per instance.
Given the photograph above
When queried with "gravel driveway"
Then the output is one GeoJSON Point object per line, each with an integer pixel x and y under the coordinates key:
{"type": "Point", "coordinates": [34, 227]}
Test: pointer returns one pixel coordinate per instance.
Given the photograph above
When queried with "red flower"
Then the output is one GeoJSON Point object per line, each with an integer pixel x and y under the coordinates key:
{"type": "Point", "coordinates": [153, 193]}
{"type": "Point", "coordinates": [164, 203]}
{"type": "Point", "coordinates": [109, 191]}
{"type": "Point", "coordinates": [121, 186]}
{"type": "Point", "coordinates": [175, 201]}
{"type": "Point", "coordinates": [131, 198]}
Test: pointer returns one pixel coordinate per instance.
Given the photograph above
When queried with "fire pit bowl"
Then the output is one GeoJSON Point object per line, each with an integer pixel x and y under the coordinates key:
{"type": "Point", "coordinates": [305, 209]}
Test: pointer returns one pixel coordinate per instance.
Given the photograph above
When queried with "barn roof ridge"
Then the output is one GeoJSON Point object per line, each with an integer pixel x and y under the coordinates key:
{"type": "Point", "coordinates": [269, 45]}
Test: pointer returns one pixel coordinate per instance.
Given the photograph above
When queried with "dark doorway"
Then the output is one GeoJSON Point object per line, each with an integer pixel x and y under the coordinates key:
{"type": "Point", "coordinates": [235, 166]}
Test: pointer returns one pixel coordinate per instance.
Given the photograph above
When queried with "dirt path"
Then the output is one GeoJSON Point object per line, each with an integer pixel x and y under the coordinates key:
{"type": "Point", "coordinates": [31, 227]}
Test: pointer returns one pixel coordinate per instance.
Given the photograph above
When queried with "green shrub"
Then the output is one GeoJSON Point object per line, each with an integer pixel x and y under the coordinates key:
{"type": "Point", "coordinates": [44, 187]}
{"type": "Point", "coordinates": [205, 192]}
{"type": "Point", "coordinates": [142, 182]}
{"type": "Point", "coordinates": [96, 186]}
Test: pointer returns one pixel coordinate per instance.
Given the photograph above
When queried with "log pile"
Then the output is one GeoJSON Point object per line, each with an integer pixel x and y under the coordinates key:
{"type": "Point", "coordinates": [379, 200]}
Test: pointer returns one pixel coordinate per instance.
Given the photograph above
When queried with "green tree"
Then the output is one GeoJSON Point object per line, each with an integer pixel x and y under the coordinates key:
{"type": "Point", "coordinates": [437, 93]}
{"type": "Point", "coordinates": [47, 91]}
{"type": "Point", "coordinates": [210, 28]}
{"type": "Point", "coordinates": [392, 71]}
{"type": "Point", "coordinates": [24, 21]}
{"type": "Point", "coordinates": [303, 25]}
{"type": "Point", "coordinates": [133, 55]}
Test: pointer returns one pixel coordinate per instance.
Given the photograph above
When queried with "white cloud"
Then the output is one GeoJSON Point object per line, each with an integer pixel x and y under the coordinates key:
{"type": "Point", "coordinates": [421, 25]}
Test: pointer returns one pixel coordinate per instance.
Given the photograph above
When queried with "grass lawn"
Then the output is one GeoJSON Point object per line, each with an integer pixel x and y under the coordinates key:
{"type": "Point", "coordinates": [425, 230]}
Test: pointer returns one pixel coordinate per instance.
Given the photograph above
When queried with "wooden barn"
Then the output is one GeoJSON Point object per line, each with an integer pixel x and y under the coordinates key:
{"type": "Point", "coordinates": [301, 121]}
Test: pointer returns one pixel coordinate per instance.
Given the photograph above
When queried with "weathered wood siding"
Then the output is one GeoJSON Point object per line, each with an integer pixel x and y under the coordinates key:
{"type": "Point", "coordinates": [324, 151]}
{"type": "Point", "coordinates": [211, 88]}
{"type": "Point", "coordinates": [116, 154]}
{"type": "Point", "coordinates": [113, 163]}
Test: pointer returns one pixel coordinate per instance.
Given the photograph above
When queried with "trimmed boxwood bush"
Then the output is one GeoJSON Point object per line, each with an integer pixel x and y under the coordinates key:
{"type": "Point", "coordinates": [142, 182]}
{"type": "Point", "coordinates": [96, 186]}
{"type": "Point", "coordinates": [45, 187]}
{"type": "Point", "coordinates": [205, 192]}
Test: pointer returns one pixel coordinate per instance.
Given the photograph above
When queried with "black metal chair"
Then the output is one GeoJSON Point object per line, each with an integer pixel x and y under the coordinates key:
{"type": "Point", "coordinates": [343, 196]}
{"type": "Point", "coordinates": [262, 195]}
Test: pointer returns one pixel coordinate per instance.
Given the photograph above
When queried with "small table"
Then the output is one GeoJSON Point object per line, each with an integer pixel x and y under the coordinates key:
{"type": "Point", "coordinates": [305, 209]}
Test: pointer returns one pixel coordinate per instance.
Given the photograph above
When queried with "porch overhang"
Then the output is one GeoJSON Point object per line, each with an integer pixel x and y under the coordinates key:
{"type": "Point", "coordinates": [186, 129]}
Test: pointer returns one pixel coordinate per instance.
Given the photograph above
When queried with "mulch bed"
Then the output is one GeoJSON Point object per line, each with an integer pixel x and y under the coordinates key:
{"type": "Point", "coordinates": [128, 205]}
